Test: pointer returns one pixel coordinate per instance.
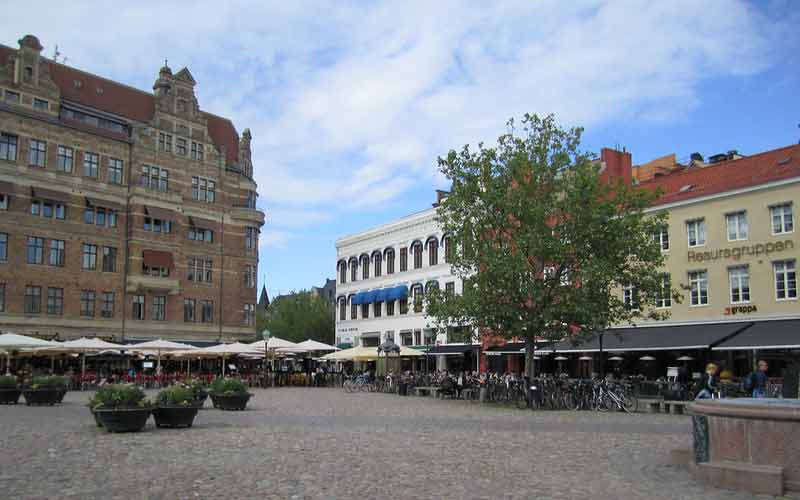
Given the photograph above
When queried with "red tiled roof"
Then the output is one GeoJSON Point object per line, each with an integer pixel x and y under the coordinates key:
{"type": "Point", "coordinates": [128, 102]}
{"type": "Point", "coordinates": [763, 168]}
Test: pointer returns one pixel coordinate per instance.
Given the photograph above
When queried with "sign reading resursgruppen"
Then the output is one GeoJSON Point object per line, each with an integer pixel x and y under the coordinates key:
{"type": "Point", "coordinates": [737, 253]}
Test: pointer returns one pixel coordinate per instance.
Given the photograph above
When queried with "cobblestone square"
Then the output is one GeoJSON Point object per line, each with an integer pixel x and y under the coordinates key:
{"type": "Point", "coordinates": [324, 443]}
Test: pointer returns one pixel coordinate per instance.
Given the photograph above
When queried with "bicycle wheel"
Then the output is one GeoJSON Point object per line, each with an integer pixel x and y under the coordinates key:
{"type": "Point", "coordinates": [629, 403]}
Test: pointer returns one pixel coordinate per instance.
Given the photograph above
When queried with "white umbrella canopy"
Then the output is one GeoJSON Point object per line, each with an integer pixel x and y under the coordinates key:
{"type": "Point", "coordinates": [313, 345]}
{"type": "Point", "coordinates": [159, 346]}
{"type": "Point", "coordinates": [12, 341]}
{"type": "Point", "coordinates": [225, 350]}
{"type": "Point", "coordinates": [82, 345]}
{"type": "Point", "coordinates": [275, 343]}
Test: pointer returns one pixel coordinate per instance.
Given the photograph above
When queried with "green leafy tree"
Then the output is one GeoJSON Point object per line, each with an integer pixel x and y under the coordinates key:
{"type": "Point", "coordinates": [300, 316]}
{"type": "Point", "coordinates": [545, 244]}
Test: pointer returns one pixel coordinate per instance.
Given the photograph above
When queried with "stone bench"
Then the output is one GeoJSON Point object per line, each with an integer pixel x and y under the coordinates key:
{"type": "Point", "coordinates": [676, 407]}
{"type": "Point", "coordinates": [654, 405]}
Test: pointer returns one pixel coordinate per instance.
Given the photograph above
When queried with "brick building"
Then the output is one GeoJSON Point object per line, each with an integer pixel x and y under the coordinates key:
{"type": "Point", "coordinates": [124, 214]}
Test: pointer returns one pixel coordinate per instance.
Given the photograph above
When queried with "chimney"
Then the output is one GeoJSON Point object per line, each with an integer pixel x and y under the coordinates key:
{"type": "Point", "coordinates": [616, 164]}
{"type": "Point", "coordinates": [440, 196]}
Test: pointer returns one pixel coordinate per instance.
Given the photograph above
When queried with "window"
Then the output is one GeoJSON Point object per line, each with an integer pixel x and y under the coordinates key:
{"type": "Point", "coordinates": [377, 309]}
{"type": "Point", "coordinates": [406, 338]}
{"type": "Point", "coordinates": [56, 253]}
{"type": "Point", "coordinates": [737, 226]}
{"type": "Point", "coordinates": [250, 201]}
{"type": "Point", "coordinates": [364, 311]}
{"type": "Point", "coordinates": [89, 260]}
{"type": "Point", "coordinates": [157, 225]}
{"type": "Point", "coordinates": [3, 247]}
{"type": "Point", "coordinates": [41, 104]}
{"type": "Point", "coordinates": [155, 271]}
{"type": "Point", "coordinates": [377, 261]}
{"type": "Point", "coordinates": [353, 269]}
{"type": "Point", "coordinates": [353, 309]}
{"type": "Point", "coordinates": [207, 311]}
{"type": "Point", "coordinates": [197, 151]}
{"type": "Point", "coordinates": [115, 171]}
{"type": "Point", "coordinates": [782, 220]}
{"type": "Point", "coordinates": [155, 178]}
{"type": "Point", "coordinates": [100, 216]}
{"type": "Point", "coordinates": [64, 159]}
{"type": "Point", "coordinates": [12, 96]}
{"type": "Point", "coordinates": [200, 269]}
{"type": "Point", "coordinates": [2, 297]}
{"type": "Point", "coordinates": [48, 209]}
{"type": "Point", "coordinates": [403, 305]}
{"type": "Point", "coordinates": [107, 304]}
{"type": "Point", "coordinates": [249, 318]}
{"type": "Point", "coordinates": [403, 259]}
{"type": "Point", "coordinates": [448, 249]}
{"type": "Point", "coordinates": [662, 238]}
{"type": "Point", "coordinates": [203, 189]}
{"type": "Point", "coordinates": [3, 201]}
{"type": "Point", "coordinates": [417, 249]}
{"type": "Point", "coordinates": [159, 312]}
{"type": "Point", "coordinates": [739, 278]}
{"type": "Point", "coordinates": [433, 252]}
{"type": "Point", "coordinates": [250, 238]}
{"type": "Point", "coordinates": [180, 146]}
{"type": "Point", "coordinates": [450, 288]}
{"type": "Point", "coordinates": [785, 279]}
{"type": "Point", "coordinates": [250, 276]}
{"type": "Point", "coordinates": [138, 307]}
{"type": "Point", "coordinates": [390, 308]}
{"type": "Point", "coordinates": [664, 295]}
{"type": "Point", "coordinates": [188, 310]}
{"type": "Point", "coordinates": [91, 163]}
{"type": "Point", "coordinates": [696, 231]}
{"type": "Point", "coordinates": [342, 309]}
{"type": "Point", "coordinates": [55, 301]}
{"type": "Point", "coordinates": [698, 288]}
{"type": "Point", "coordinates": [390, 261]}
{"type": "Point", "coordinates": [33, 299]}
{"type": "Point", "coordinates": [8, 147]}
{"type": "Point", "coordinates": [37, 153]}
{"type": "Point", "coordinates": [109, 259]}
{"type": "Point", "coordinates": [87, 303]}
{"type": "Point", "coordinates": [197, 234]}
{"type": "Point", "coordinates": [35, 250]}
{"type": "Point", "coordinates": [165, 142]}
{"type": "Point", "coordinates": [417, 294]}
{"type": "Point", "coordinates": [342, 272]}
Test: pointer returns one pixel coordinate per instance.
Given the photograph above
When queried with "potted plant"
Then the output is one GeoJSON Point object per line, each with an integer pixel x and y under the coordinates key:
{"type": "Point", "coordinates": [175, 407]}
{"type": "Point", "coordinates": [9, 390]}
{"type": "Point", "coordinates": [229, 394]}
{"type": "Point", "coordinates": [63, 387]}
{"type": "Point", "coordinates": [199, 390]}
{"type": "Point", "coordinates": [43, 391]}
{"type": "Point", "coordinates": [121, 408]}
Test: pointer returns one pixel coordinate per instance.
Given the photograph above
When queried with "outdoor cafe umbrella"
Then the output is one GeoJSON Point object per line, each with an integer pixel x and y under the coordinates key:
{"type": "Point", "coordinates": [13, 341]}
{"type": "Point", "coordinates": [82, 346]}
{"type": "Point", "coordinates": [159, 346]}
{"type": "Point", "coordinates": [313, 345]}
{"type": "Point", "coordinates": [226, 350]}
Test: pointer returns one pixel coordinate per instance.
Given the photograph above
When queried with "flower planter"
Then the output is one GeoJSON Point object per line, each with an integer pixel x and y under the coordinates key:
{"type": "Point", "coordinates": [62, 391]}
{"type": "Point", "coordinates": [44, 396]}
{"type": "Point", "coordinates": [175, 416]}
{"type": "Point", "coordinates": [230, 401]}
{"type": "Point", "coordinates": [200, 398]}
{"type": "Point", "coordinates": [96, 418]}
{"type": "Point", "coordinates": [122, 419]}
{"type": "Point", "coordinates": [9, 396]}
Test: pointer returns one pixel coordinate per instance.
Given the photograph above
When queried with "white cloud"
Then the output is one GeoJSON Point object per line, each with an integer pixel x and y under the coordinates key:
{"type": "Point", "coordinates": [277, 239]}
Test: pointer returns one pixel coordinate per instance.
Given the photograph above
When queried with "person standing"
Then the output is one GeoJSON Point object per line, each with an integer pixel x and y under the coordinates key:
{"type": "Point", "coordinates": [758, 380]}
{"type": "Point", "coordinates": [708, 383]}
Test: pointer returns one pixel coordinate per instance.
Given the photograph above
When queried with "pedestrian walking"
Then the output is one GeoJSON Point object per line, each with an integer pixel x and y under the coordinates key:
{"type": "Point", "coordinates": [756, 382]}
{"type": "Point", "coordinates": [708, 383]}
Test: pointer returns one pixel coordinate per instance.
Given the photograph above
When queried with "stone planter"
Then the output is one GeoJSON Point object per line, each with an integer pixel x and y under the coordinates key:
{"type": "Point", "coordinates": [62, 391]}
{"type": "Point", "coordinates": [230, 401]}
{"type": "Point", "coordinates": [175, 416]}
{"type": "Point", "coordinates": [9, 396]}
{"type": "Point", "coordinates": [200, 399]}
{"type": "Point", "coordinates": [44, 396]}
{"type": "Point", "coordinates": [122, 419]}
{"type": "Point", "coordinates": [96, 418]}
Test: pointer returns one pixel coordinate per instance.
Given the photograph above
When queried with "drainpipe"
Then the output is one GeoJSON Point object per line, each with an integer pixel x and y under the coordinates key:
{"type": "Point", "coordinates": [221, 270]}
{"type": "Point", "coordinates": [127, 235]}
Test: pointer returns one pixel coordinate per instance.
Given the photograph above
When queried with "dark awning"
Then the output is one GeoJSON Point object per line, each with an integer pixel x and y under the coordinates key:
{"type": "Point", "coordinates": [655, 338]}
{"type": "Point", "coordinates": [778, 334]}
{"type": "Point", "coordinates": [157, 258]}
{"type": "Point", "coordinates": [159, 213]}
{"type": "Point", "coordinates": [509, 348]}
{"type": "Point", "coordinates": [49, 194]}
{"type": "Point", "coordinates": [451, 349]}
{"type": "Point", "coordinates": [96, 202]}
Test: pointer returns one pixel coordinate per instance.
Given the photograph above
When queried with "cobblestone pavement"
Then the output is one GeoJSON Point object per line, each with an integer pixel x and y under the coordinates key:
{"type": "Point", "coordinates": [323, 443]}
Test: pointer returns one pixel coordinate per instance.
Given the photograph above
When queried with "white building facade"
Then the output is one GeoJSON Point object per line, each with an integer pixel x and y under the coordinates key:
{"type": "Point", "coordinates": [382, 274]}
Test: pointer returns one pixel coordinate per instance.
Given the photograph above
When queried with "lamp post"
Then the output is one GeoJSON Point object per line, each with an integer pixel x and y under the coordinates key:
{"type": "Point", "coordinates": [265, 335]}
{"type": "Point", "coordinates": [387, 348]}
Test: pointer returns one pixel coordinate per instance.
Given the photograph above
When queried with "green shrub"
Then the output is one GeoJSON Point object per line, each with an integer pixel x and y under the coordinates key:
{"type": "Point", "coordinates": [228, 386]}
{"type": "Point", "coordinates": [8, 382]}
{"type": "Point", "coordinates": [47, 382]}
{"type": "Point", "coordinates": [119, 396]}
{"type": "Point", "coordinates": [175, 395]}
{"type": "Point", "coordinates": [197, 386]}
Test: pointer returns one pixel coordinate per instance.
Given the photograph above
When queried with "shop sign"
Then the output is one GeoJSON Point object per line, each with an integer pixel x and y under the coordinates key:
{"type": "Point", "coordinates": [748, 309]}
{"type": "Point", "coordinates": [737, 253]}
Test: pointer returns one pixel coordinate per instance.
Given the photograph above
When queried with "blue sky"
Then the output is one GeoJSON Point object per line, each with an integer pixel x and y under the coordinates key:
{"type": "Point", "coordinates": [350, 104]}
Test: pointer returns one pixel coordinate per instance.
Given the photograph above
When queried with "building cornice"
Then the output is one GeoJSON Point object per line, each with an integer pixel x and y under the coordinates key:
{"type": "Point", "coordinates": [722, 195]}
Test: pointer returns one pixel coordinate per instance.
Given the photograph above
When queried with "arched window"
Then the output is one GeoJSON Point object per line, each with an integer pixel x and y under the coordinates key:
{"type": "Point", "coordinates": [365, 267]}
{"type": "Point", "coordinates": [388, 255]}
{"type": "Point", "coordinates": [403, 259]}
{"type": "Point", "coordinates": [353, 308]}
{"type": "Point", "coordinates": [353, 269]}
{"type": "Point", "coordinates": [430, 286]}
{"type": "Point", "coordinates": [342, 308]}
{"type": "Point", "coordinates": [416, 294]}
{"type": "Point", "coordinates": [342, 271]}
{"type": "Point", "coordinates": [433, 250]}
{"type": "Point", "coordinates": [377, 260]}
{"type": "Point", "coordinates": [416, 249]}
{"type": "Point", "coordinates": [447, 241]}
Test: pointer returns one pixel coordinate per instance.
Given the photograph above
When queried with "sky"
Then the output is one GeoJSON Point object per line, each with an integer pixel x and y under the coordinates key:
{"type": "Point", "coordinates": [351, 103]}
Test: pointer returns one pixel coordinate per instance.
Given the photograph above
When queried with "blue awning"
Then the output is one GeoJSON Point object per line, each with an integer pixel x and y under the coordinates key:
{"type": "Point", "coordinates": [382, 295]}
{"type": "Point", "coordinates": [358, 299]}
{"type": "Point", "coordinates": [398, 292]}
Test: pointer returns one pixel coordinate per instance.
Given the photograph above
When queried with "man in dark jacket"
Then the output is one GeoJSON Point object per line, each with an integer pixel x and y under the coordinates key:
{"type": "Point", "coordinates": [758, 380]}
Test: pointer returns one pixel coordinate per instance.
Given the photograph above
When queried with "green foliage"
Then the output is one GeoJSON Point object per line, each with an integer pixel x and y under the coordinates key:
{"type": "Point", "coordinates": [197, 386]}
{"type": "Point", "coordinates": [175, 396]}
{"type": "Point", "coordinates": [8, 382]}
{"type": "Point", "coordinates": [545, 245]}
{"type": "Point", "coordinates": [48, 381]}
{"type": "Point", "coordinates": [119, 396]}
{"type": "Point", "coordinates": [300, 316]}
{"type": "Point", "coordinates": [228, 386]}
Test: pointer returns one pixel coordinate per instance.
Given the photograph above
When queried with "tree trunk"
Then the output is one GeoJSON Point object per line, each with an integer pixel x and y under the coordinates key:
{"type": "Point", "coordinates": [530, 349]}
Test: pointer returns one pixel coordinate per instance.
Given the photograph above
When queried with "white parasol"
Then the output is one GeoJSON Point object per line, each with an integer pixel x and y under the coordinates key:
{"type": "Point", "coordinates": [12, 341]}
